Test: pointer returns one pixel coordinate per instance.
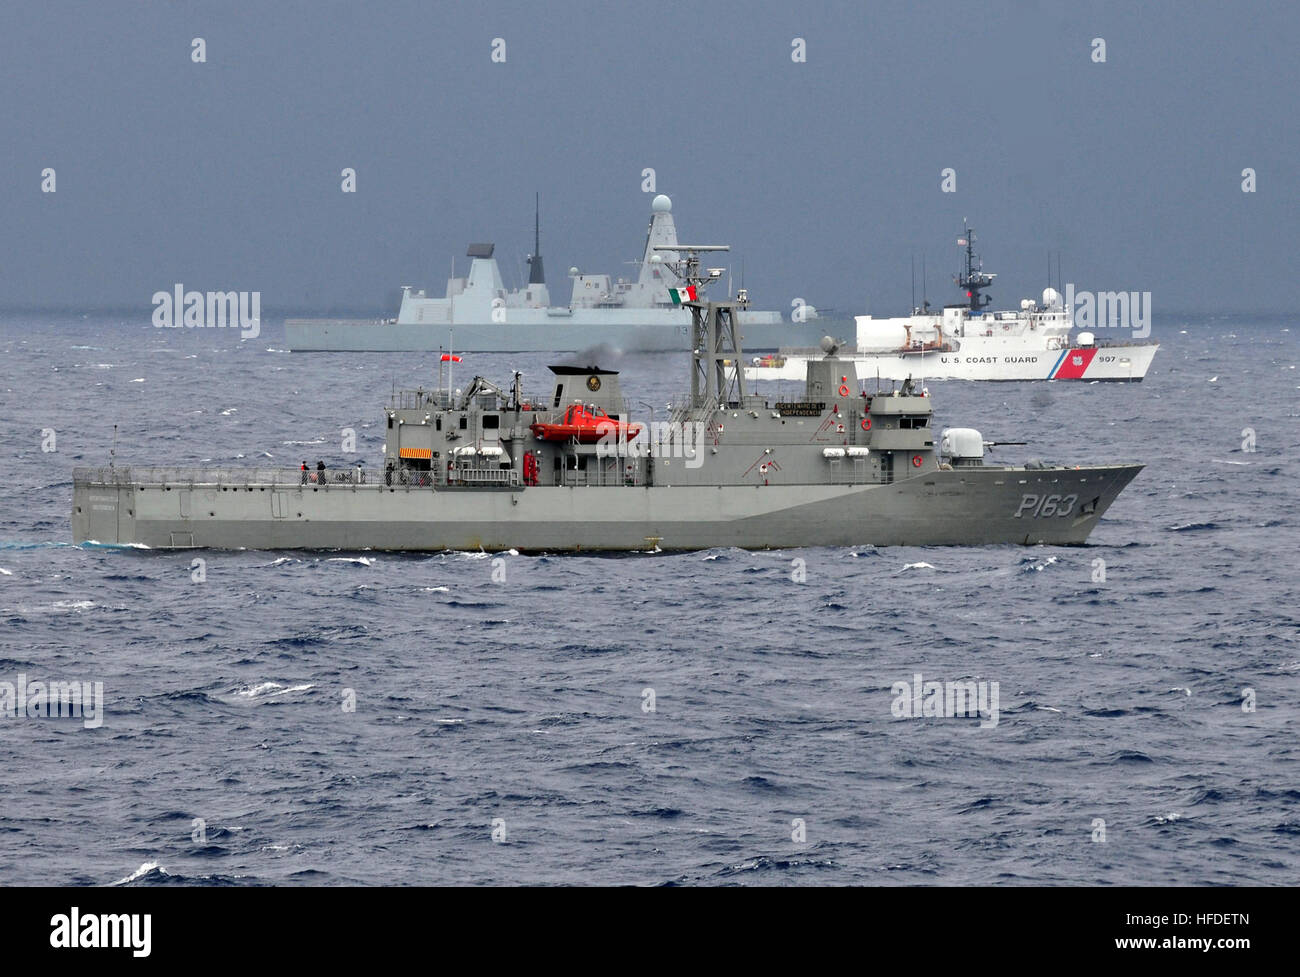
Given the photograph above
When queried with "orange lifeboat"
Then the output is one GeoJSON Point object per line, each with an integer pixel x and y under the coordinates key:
{"type": "Point", "coordinates": [586, 426]}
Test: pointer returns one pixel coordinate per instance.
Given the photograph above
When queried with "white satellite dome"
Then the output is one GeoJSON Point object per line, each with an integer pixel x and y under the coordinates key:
{"type": "Point", "coordinates": [656, 259]}
{"type": "Point", "coordinates": [573, 272]}
{"type": "Point", "coordinates": [661, 204]}
{"type": "Point", "coordinates": [1051, 298]}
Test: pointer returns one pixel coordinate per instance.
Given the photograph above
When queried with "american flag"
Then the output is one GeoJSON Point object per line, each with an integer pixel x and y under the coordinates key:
{"type": "Point", "coordinates": [961, 241]}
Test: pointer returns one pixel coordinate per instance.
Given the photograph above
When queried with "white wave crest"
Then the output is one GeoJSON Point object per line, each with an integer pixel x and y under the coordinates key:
{"type": "Point", "coordinates": [142, 871]}
{"type": "Point", "coordinates": [265, 689]}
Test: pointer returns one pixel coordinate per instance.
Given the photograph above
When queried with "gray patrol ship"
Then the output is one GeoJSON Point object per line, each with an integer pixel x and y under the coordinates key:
{"type": "Point", "coordinates": [491, 468]}
{"type": "Point", "coordinates": [478, 314]}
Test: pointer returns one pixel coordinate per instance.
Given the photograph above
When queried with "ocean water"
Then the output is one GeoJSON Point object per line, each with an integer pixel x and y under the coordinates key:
{"type": "Point", "coordinates": [520, 709]}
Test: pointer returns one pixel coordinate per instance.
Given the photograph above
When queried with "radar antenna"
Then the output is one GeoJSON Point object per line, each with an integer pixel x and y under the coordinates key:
{"type": "Point", "coordinates": [688, 269]}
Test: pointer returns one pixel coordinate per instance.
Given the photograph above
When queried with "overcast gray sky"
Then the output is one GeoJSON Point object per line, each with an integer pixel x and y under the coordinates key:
{"type": "Point", "coordinates": [823, 175]}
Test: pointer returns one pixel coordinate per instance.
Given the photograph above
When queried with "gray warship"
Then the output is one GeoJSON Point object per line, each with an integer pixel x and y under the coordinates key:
{"type": "Point", "coordinates": [479, 314]}
{"type": "Point", "coordinates": [491, 468]}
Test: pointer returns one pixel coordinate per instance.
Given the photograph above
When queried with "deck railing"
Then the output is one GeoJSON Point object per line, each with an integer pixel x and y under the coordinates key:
{"type": "Point", "coordinates": [485, 476]}
{"type": "Point", "coordinates": [235, 477]}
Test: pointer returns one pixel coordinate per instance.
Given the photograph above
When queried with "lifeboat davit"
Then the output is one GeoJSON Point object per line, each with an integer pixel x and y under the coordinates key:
{"type": "Point", "coordinates": [586, 426]}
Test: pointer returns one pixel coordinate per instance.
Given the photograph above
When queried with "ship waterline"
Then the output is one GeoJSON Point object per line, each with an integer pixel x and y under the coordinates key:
{"type": "Point", "coordinates": [987, 359]}
{"type": "Point", "coordinates": [536, 331]}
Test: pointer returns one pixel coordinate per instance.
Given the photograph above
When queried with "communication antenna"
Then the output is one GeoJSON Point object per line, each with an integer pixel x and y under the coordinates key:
{"type": "Point", "coordinates": [112, 451]}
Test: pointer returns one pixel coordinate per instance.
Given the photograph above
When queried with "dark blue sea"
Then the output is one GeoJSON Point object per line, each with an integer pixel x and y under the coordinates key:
{"type": "Point", "coordinates": [225, 755]}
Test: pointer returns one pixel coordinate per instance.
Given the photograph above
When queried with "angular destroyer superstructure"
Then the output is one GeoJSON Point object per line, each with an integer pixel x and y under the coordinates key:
{"type": "Point", "coordinates": [968, 341]}
{"type": "Point", "coordinates": [478, 313]}
{"type": "Point", "coordinates": [492, 468]}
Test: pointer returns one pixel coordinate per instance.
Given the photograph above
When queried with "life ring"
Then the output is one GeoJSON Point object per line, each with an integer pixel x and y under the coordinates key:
{"type": "Point", "coordinates": [917, 461]}
{"type": "Point", "coordinates": [844, 389]}
{"type": "Point", "coordinates": [866, 424]}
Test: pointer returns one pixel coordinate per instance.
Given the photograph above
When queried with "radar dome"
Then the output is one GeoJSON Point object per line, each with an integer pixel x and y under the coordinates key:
{"type": "Point", "coordinates": [656, 259]}
{"type": "Point", "coordinates": [661, 204]}
{"type": "Point", "coordinates": [573, 272]}
{"type": "Point", "coordinates": [1051, 298]}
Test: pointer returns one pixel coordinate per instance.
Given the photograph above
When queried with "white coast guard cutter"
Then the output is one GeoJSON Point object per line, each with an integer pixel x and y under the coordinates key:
{"type": "Point", "coordinates": [968, 342]}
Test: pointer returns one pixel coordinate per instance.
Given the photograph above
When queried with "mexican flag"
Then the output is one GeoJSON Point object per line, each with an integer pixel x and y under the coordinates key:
{"type": "Point", "coordinates": [680, 295]}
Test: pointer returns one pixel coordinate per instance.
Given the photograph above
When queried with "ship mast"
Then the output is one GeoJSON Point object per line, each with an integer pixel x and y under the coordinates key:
{"type": "Point", "coordinates": [973, 280]}
{"type": "Point", "coordinates": [717, 377]}
{"type": "Point", "coordinates": [536, 276]}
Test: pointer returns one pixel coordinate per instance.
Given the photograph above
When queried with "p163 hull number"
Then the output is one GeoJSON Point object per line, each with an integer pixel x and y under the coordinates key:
{"type": "Point", "coordinates": [1045, 506]}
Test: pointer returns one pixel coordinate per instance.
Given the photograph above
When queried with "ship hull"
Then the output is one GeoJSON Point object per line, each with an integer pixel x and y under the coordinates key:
{"type": "Point", "coordinates": [963, 506]}
{"type": "Point", "coordinates": [537, 331]}
{"type": "Point", "coordinates": [1118, 363]}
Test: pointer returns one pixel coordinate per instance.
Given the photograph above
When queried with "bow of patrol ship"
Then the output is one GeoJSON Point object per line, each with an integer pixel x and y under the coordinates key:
{"type": "Point", "coordinates": [492, 468]}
